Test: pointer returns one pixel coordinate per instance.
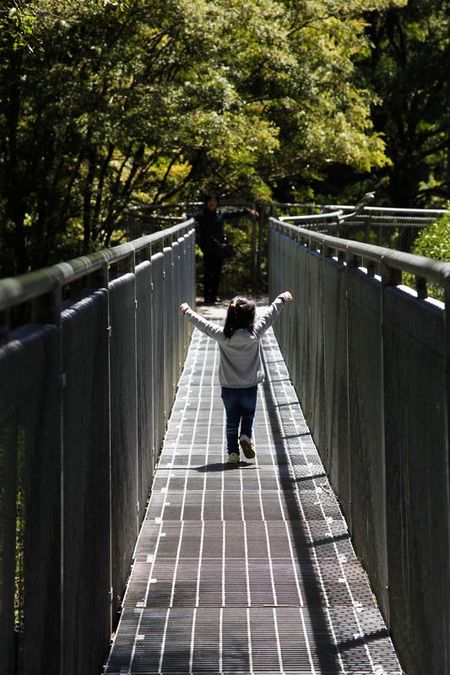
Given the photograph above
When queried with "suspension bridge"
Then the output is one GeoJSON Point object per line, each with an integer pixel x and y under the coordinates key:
{"type": "Point", "coordinates": [128, 546]}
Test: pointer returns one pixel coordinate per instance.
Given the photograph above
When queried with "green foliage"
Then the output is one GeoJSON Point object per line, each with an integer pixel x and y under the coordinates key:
{"type": "Point", "coordinates": [107, 103]}
{"type": "Point", "coordinates": [237, 275]}
{"type": "Point", "coordinates": [433, 242]}
{"type": "Point", "coordinates": [408, 69]}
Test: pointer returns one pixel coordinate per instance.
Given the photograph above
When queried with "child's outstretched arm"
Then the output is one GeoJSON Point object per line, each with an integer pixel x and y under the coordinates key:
{"type": "Point", "coordinates": [207, 327]}
{"type": "Point", "coordinates": [267, 319]}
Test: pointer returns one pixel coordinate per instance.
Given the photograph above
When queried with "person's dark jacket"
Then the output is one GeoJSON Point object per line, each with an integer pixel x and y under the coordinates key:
{"type": "Point", "coordinates": [210, 227]}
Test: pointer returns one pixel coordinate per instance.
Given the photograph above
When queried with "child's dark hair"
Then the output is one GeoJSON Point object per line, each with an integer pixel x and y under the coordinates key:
{"type": "Point", "coordinates": [241, 314]}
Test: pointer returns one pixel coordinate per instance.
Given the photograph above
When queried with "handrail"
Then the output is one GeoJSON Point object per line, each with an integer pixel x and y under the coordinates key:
{"type": "Point", "coordinates": [381, 210]}
{"type": "Point", "coordinates": [420, 266]}
{"type": "Point", "coordinates": [16, 290]}
{"type": "Point", "coordinates": [315, 216]}
{"type": "Point", "coordinates": [386, 210]}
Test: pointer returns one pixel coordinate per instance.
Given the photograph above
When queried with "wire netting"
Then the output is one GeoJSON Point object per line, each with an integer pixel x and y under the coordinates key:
{"type": "Point", "coordinates": [369, 362]}
{"type": "Point", "coordinates": [84, 400]}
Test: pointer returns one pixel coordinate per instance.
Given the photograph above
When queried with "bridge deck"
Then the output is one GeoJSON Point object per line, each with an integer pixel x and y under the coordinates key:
{"type": "Point", "coordinates": [245, 569]}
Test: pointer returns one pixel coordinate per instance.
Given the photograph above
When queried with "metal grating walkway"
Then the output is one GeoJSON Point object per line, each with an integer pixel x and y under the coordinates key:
{"type": "Point", "coordinates": [245, 569]}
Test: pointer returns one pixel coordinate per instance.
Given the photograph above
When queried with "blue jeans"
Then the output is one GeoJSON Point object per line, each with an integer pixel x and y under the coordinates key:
{"type": "Point", "coordinates": [240, 405]}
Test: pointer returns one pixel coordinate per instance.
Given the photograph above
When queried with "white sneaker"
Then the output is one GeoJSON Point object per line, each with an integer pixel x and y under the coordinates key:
{"type": "Point", "coordinates": [233, 458]}
{"type": "Point", "coordinates": [247, 446]}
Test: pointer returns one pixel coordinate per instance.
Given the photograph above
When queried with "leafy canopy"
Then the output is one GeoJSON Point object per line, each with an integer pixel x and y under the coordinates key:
{"type": "Point", "coordinates": [108, 103]}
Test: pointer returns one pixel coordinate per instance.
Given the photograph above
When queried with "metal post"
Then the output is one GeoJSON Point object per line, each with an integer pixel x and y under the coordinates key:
{"type": "Point", "coordinates": [254, 253]}
{"type": "Point", "coordinates": [4, 326]}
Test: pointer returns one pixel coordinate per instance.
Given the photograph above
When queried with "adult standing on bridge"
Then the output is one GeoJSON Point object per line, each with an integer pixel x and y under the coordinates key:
{"type": "Point", "coordinates": [212, 242]}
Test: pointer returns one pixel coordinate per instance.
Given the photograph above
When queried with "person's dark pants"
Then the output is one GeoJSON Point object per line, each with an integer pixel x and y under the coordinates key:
{"type": "Point", "coordinates": [212, 269]}
{"type": "Point", "coordinates": [240, 405]}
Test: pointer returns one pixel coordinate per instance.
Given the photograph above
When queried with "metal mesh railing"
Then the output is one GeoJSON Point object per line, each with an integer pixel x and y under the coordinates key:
{"type": "Point", "coordinates": [391, 227]}
{"type": "Point", "coordinates": [90, 355]}
{"type": "Point", "coordinates": [370, 362]}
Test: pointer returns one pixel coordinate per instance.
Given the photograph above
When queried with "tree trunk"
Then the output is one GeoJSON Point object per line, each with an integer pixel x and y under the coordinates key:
{"type": "Point", "coordinates": [87, 196]}
{"type": "Point", "coordinates": [15, 208]}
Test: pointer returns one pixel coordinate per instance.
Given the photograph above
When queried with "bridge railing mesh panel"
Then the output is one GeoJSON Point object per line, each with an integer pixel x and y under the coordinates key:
{"type": "Point", "coordinates": [159, 346]}
{"type": "Point", "coordinates": [124, 464]}
{"type": "Point", "coordinates": [145, 383]}
{"type": "Point", "coordinates": [416, 434]}
{"type": "Point", "coordinates": [86, 480]}
{"type": "Point", "coordinates": [88, 372]}
{"type": "Point", "coordinates": [369, 360]}
{"type": "Point", "coordinates": [30, 518]}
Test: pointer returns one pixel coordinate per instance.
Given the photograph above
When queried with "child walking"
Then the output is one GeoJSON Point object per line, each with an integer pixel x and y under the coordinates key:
{"type": "Point", "coordinates": [240, 369]}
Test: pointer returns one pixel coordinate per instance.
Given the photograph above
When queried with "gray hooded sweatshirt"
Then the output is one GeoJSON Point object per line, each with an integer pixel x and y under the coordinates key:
{"type": "Point", "coordinates": [240, 355]}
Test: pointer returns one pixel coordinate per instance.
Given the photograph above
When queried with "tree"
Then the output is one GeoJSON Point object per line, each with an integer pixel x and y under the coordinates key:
{"type": "Point", "coordinates": [107, 103]}
{"type": "Point", "coordinates": [408, 68]}
{"type": "Point", "coordinates": [103, 103]}
{"type": "Point", "coordinates": [433, 242]}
